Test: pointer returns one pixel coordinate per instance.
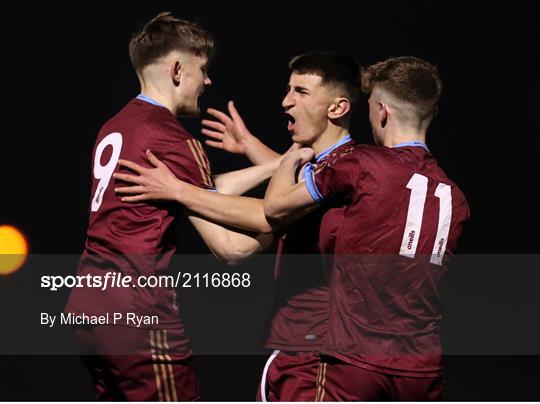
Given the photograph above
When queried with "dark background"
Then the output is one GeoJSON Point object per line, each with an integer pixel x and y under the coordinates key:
{"type": "Point", "coordinates": [66, 70]}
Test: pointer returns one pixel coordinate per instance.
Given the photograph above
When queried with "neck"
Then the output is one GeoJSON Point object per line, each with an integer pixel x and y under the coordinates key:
{"type": "Point", "coordinates": [158, 93]}
{"type": "Point", "coordinates": [329, 137]}
{"type": "Point", "coordinates": [397, 135]}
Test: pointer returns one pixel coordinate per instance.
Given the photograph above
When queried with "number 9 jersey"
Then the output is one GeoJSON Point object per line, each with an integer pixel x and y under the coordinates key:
{"type": "Point", "coordinates": [135, 239]}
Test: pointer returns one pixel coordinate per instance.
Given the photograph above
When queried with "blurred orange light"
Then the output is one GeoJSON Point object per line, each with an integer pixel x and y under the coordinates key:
{"type": "Point", "coordinates": [13, 249]}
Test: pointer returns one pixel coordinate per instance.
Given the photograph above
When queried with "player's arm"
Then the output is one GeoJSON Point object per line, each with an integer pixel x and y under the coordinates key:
{"type": "Point", "coordinates": [159, 183]}
{"type": "Point", "coordinates": [231, 134]}
{"type": "Point", "coordinates": [228, 245]}
{"type": "Point", "coordinates": [237, 211]}
{"type": "Point", "coordinates": [240, 181]}
{"type": "Point", "coordinates": [286, 199]}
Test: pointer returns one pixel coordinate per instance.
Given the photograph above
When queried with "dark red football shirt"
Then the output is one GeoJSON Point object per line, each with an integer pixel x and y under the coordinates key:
{"type": "Point", "coordinates": [134, 238]}
{"type": "Point", "coordinates": [402, 220]}
{"type": "Point", "coordinates": [300, 315]}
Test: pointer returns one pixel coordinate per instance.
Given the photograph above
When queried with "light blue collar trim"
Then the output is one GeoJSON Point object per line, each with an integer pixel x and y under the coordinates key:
{"type": "Point", "coordinates": [334, 146]}
{"type": "Point", "coordinates": [309, 175]}
{"type": "Point", "coordinates": [143, 97]}
{"type": "Point", "coordinates": [413, 143]}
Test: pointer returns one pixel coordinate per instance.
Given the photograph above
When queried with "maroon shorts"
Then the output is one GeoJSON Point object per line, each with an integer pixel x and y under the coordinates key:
{"type": "Point", "coordinates": [309, 377]}
{"type": "Point", "coordinates": [137, 364]}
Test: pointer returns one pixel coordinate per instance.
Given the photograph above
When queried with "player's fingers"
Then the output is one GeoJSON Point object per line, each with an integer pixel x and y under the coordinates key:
{"type": "Point", "coordinates": [217, 145]}
{"type": "Point", "coordinates": [212, 134]}
{"type": "Point", "coordinates": [134, 179]}
{"type": "Point", "coordinates": [234, 113]}
{"type": "Point", "coordinates": [133, 190]}
{"type": "Point", "coordinates": [295, 146]}
{"type": "Point", "coordinates": [221, 116]}
{"type": "Point", "coordinates": [213, 125]}
{"type": "Point", "coordinates": [131, 165]}
{"type": "Point", "coordinates": [306, 154]}
{"type": "Point", "coordinates": [137, 198]}
{"type": "Point", "coordinates": [153, 159]}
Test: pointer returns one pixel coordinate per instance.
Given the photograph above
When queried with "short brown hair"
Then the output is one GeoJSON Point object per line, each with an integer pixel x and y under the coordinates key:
{"type": "Point", "coordinates": [337, 69]}
{"type": "Point", "coordinates": [407, 78]}
{"type": "Point", "coordinates": [164, 34]}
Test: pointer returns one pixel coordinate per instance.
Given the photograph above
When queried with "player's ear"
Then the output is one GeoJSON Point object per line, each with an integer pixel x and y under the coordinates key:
{"type": "Point", "coordinates": [175, 71]}
{"type": "Point", "coordinates": [383, 115]}
{"type": "Point", "coordinates": [339, 108]}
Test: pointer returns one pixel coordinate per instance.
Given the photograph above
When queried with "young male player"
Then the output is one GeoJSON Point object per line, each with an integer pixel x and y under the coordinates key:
{"type": "Point", "coordinates": [402, 220]}
{"type": "Point", "coordinates": [140, 351]}
{"type": "Point", "coordinates": [323, 88]}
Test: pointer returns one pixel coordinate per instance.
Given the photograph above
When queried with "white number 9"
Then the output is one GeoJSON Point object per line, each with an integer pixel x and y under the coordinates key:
{"type": "Point", "coordinates": [104, 173]}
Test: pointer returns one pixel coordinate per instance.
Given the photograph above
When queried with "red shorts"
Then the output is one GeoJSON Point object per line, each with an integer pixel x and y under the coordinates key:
{"type": "Point", "coordinates": [137, 364]}
{"type": "Point", "coordinates": [309, 377]}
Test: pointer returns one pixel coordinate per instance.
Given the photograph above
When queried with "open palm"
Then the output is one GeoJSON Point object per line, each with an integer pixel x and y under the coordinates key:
{"type": "Point", "coordinates": [229, 131]}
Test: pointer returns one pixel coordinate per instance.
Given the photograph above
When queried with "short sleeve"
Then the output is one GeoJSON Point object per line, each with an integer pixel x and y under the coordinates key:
{"type": "Point", "coordinates": [335, 177]}
{"type": "Point", "coordinates": [189, 162]}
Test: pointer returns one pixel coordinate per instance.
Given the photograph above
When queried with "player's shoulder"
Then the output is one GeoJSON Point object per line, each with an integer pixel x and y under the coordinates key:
{"type": "Point", "coordinates": [369, 150]}
{"type": "Point", "coordinates": [147, 126]}
{"type": "Point", "coordinates": [351, 155]}
{"type": "Point", "coordinates": [457, 192]}
{"type": "Point", "coordinates": [344, 152]}
{"type": "Point", "coordinates": [170, 131]}
{"type": "Point", "coordinates": [163, 125]}
{"type": "Point", "coordinates": [366, 154]}
{"type": "Point", "coordinates": [158, 122]}
{"type": "Point", "coordinates": [398, 159]}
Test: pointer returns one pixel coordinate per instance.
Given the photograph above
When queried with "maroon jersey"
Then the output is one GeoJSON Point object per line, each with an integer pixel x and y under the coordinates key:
{"type": "Point", "coordinates": [133, 239]}
{"type": "Point", "coordinates": [403, 219]}
{"type": "Point", "coordinates": [300, 314]}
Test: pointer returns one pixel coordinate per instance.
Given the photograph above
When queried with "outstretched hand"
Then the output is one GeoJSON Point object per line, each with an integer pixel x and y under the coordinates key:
{"type": "Point", "coordinates": [153, 184]}
{"type": "Point", "coordinates": [229, 131]}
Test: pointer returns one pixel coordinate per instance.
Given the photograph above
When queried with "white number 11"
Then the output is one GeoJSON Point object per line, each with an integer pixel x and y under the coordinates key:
{"type": "Point", "coordinates": [418, 185]}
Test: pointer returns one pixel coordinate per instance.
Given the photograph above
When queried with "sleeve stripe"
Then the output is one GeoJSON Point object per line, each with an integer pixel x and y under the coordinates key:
{"type": "Point", "coordinates": [192, 143]}
{"type": "Point", "coordinates": [205, 161]}
{"type": "Point", "coordinates": [195, 155]}
{"type": "Point", "coordinates": [311, 185]}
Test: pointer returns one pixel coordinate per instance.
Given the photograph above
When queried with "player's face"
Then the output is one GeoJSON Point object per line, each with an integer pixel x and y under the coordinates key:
{"type": "Point", "coordinates": [193, 80]}
{"type": "Point", "coordinates": [306, 105]}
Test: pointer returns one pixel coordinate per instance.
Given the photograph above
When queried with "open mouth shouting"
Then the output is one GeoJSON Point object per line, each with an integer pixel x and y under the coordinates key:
{"type": "Point", "coordinates": [290, 122]}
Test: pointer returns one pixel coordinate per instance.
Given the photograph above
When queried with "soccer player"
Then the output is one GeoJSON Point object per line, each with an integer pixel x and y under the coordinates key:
{"type": "Point", "coordinates": [401, 217]}
{"type": "Point", "coordinates": [131, 336]}
{"type": "Point", "coordinates": [402, 221]}
{"type": "Point", "coordinates": [322, 91]}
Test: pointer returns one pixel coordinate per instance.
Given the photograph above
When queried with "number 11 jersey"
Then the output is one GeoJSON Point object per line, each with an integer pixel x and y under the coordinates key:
{"type": "Point", "coordinates": [402, 221]}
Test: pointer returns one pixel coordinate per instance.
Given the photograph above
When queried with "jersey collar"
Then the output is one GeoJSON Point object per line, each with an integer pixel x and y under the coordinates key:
{"type": "Point", "coordinates": [413, 143]}
{"type": "Point", "coordinates": [143, 97]}
{"type": "Point", "coordinates": [334, 146]}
